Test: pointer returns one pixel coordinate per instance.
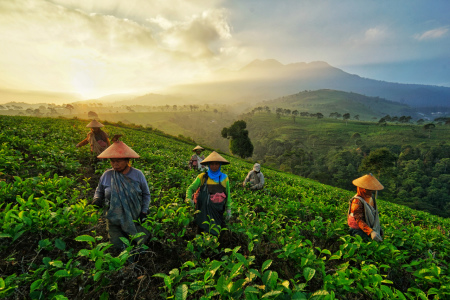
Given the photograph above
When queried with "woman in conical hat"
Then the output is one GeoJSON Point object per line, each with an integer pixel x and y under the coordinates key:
{"type": "Point", "coordinates": [363, 218]}
{"type": "Point", "coordinates": [97, 138]}
{"type": "Point", "coordinates": [213, 197]}
{"type": "Point", "coordinates": [197, 158]}
{"type": "Point", "coordinates": [125, 193]}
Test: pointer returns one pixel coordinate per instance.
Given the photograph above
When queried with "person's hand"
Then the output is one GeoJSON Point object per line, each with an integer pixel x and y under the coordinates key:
{"type": "Point", "coordinates": [228, 214]}
{"type": "Point", "coordinates": [142, 217]}
{"type": "Point", "coordinates": [190, 201]}
{"type": "Point", "coordinates": [243, 184]}
{"type": "Point", "coordinates": [375, 236]}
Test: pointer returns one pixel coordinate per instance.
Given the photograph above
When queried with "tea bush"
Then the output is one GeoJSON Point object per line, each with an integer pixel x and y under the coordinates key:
{"type": "Point", "coordinates": [288, 241]}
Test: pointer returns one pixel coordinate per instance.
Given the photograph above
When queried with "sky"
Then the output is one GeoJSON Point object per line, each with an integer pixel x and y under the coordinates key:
{"type": "Point", "coordinates": [95, 48]}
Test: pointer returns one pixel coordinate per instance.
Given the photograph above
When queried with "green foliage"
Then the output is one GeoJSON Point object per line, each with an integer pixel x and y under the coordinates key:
{"type": "Point", "coordinates": [288, 241]}
{"type": "Point", "coordinates": [377, 161]}
{"type": "Point", "coordinates": [240, 143]}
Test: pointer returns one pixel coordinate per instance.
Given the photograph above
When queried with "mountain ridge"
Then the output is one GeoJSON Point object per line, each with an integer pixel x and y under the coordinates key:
{"type": "Point", "coordinates": [266, 79]}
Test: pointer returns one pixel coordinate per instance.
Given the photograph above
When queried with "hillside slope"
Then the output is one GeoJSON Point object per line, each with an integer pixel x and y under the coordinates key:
{"type": "Point", "coordinates": [329, 101]}
{"type": "Point", "coordinates": [287, 242]}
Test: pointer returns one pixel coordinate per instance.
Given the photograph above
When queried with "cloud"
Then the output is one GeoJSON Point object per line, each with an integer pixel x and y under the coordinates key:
{"type": "Point", "coordinates": [110, 48]}
{"type": "Point", "coordinates": [196, 36]}
{"type": "Point", "coordinates": [433, 34]}
{"type": "Point", "coordinates": [375, 34]}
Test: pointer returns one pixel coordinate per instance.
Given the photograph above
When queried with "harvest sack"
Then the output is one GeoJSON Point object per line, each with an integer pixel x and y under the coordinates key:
{"type": "Point", "coordinates": [97, 145]}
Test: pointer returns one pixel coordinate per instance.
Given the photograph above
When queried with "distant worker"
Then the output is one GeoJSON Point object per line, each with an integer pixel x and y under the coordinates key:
{"type": "Point", "coordinates": [197, 158]}
{"type": "Point", "coordinates": [124, 191]}
{"type": "Point", "coordinates": [212, 195]}
{"type": "Point", "coordinates": [97, 138]}
{"type": "Point", "coordinates": [363, 218]}
{"type": "Point", "coordinates": [255, 177]}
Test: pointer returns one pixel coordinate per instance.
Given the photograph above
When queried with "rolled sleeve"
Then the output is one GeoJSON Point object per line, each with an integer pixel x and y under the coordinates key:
{"type": "Point", "coordinates": [193, 187]}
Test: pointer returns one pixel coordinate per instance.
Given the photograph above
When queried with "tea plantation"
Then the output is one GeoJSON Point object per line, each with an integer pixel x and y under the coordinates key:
{"type": "Point", "coordinates": [289, 241]}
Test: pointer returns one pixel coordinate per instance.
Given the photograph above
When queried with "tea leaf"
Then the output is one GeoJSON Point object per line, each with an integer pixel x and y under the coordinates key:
{"type": "Point", "coordinates": [271, 293]}
{"type": "Point", "coordinates": [60, 244]}
{"type": "Point", "coordinates": [181, 292]}
{"type": "Point", "coordinates": [266, 264]}
{"type": "Point", "coordinates": [85, 238]}
{"type": "Point", "coordinates": [308, 273]}
{"type": "Point", "coordinates": [36, 284]}
{"type": "Point", "coordinates": [62, 273]}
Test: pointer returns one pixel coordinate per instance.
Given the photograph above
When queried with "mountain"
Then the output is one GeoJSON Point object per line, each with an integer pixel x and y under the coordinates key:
{"type": "Point", "coordinates": [268, 79]}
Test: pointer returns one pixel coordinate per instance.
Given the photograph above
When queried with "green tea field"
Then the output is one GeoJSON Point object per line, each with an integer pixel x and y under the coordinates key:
{"type": "Point", "coordinates": [289, 241]}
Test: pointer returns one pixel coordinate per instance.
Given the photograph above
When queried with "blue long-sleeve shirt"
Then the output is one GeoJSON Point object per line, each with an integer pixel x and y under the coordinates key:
{"type": "Point", "coordinates": [103, 190]}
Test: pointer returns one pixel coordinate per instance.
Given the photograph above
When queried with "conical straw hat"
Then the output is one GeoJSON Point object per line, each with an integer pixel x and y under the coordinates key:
{"type": "Point", "coordinates": [95, 123]}
{"type": "Point", "coordinates": [198, 148]}
{"type": "Point", "coordinates": [215, 157]}
{"type": "Point", "coordinates": [118, 150]}
{"type": "Point", "coordinates": [368, 182]}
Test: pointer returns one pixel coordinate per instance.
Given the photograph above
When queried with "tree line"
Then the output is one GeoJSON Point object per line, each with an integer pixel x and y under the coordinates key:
{"type": "Point", "coordinates": [415, 176]}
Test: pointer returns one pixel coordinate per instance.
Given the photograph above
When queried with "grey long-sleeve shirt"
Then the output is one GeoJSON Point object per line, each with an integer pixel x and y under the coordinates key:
{"type": "Point", "coordinates": [103, 190]}
{"type": "Point", "coordinates": [256, 179]}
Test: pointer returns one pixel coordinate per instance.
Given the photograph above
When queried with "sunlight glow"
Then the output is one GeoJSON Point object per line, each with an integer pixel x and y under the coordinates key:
{"type": "Point", "coordinates": [83, 81]}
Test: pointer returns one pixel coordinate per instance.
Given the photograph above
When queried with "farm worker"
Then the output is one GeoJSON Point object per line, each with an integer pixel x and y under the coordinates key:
{"type": "Point", "coordinates": [197, 158]}
{"type": "Point", "coordinates": [212, 195]}
{"type": "Point", "coordinates": [97, 138]}
{"type": "Point", "coordinates": [255, 177]}
{"type": "Point", "coordinates": [125, 193]}
{"type": "Point", "coordinates": [363, 217]}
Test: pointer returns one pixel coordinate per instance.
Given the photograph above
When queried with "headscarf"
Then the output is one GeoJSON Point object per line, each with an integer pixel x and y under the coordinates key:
{"type": "Point", "coordinates": [257, 167]}
{"type": "Point", "coordinates": [366, 194]}
{"type": "Point", "coordinates": [217, 175]}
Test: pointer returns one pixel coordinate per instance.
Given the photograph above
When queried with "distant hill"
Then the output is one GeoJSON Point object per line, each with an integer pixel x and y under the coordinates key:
{"type": "Point", "coordinates": [329, 101]}
{"type": "Point", "coordinates": [36, 97]}
{"type": "Point", "coordinates": [157, 100]}
{"type": "Point", "coordinates": [268, 79]}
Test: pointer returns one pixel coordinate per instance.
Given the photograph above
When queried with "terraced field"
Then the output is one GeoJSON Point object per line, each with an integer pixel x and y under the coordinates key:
{"type": "Point", "coordinates": [289, 241]}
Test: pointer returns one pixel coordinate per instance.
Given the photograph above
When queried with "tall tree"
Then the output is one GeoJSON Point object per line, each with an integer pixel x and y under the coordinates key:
{"type": "Point", "coordinates": [378, 162]}
{"type": "Point", "coordinates": [240, 143]}
{"type": "Point", "coordinates": [294, 114]}
{"type": "Point", "coordinates": [69, 107]}
{"type": "Point", "coordinates": [92, 115]}
{"type": "Point", "coordinates": [346, 117]}
{"type": "Point", "coordinates": [429, 127]}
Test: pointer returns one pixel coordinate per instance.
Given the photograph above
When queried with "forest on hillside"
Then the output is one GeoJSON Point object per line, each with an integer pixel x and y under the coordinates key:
{"type": "Point", "coordinates": [414, 169]}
